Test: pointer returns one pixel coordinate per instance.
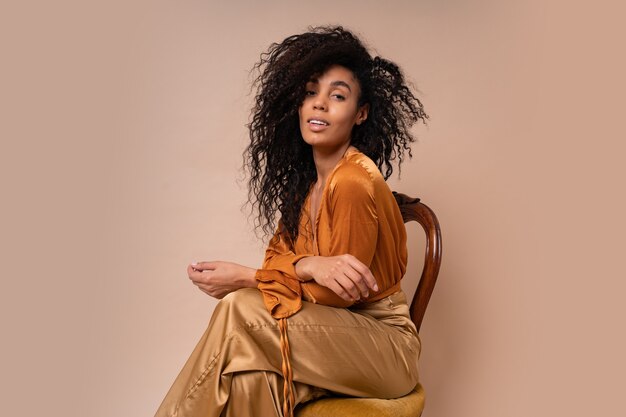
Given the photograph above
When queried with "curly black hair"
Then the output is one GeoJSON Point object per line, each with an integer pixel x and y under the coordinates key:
{"type": "Point", "coordinates": [279, 161]}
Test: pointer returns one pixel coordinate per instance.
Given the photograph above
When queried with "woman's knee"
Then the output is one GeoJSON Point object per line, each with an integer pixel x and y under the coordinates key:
{"type": "Point", "coordinates": [242, 296]}
{"type": "Point", "coordinates": [244, 304]}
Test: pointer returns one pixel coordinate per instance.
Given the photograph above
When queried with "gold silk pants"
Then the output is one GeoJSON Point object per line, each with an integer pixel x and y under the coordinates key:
{"type": "Point", "coordinates": [235, 369]}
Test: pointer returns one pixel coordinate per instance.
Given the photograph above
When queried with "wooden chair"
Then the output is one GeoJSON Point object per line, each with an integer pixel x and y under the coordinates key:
{"type": "Point", "coordinates": [412, 404]}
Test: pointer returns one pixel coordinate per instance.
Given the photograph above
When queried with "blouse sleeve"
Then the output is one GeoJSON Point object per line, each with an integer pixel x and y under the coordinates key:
{"type": "Point", "coordinates": [279, 257]}
{"type": "Point", "coordinates": [277, 278]}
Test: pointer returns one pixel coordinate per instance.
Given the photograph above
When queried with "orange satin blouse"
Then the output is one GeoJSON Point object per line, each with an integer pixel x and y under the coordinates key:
{"type": "Point", "coordinates": [357, 215]}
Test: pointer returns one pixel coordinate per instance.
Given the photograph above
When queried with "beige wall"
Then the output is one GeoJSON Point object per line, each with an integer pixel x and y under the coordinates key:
{"type": "Point", "coordinates": [122, 129]}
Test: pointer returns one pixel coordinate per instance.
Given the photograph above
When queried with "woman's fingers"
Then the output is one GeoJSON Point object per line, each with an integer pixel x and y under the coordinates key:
{"type": "Point", "coordinates": [354, 280]}
{"type": "Point", "coordinates": [364, 272]}
{"type": "Point", "coordinates": [350, 287]}
{"type": "Point", "coordinates": [340, 291]}
{"type": "Point", "coordinates": [213, 292]}
{"type": "Point", "coordinates": [191, 272]}
{"type": "Point", "coordinates": [204, 284]}
{"type": "Point", "coordinates": [195, 275]}
{"type": "Point", "coordinates": [355, 277]}
{"type": "Point", "coordinates": [202, 266]}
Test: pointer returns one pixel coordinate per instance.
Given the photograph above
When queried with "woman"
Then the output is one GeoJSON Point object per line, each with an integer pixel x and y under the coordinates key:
{"type": "Point", "coordinates": [327, 118]}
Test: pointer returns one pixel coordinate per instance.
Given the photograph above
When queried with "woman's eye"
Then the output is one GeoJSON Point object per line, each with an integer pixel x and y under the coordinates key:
{"type": "Point", "coordinates": [339, 96]}
{"type": "Point", "coordinates": [309, 93]}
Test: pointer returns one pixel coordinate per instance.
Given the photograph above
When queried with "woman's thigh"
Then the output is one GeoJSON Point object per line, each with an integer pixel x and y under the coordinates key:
{"type": "Point", "coordinates": [353, 353]}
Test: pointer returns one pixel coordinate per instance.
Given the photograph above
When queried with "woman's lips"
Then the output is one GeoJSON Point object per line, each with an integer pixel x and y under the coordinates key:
{"type": "Point", "coordinates": [317, 125]}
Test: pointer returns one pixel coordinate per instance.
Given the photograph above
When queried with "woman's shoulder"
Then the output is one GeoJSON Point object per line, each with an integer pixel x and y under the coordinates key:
{"type": "Point", "coordinates": [356, 173]}
{"type": "Point", "coordinates": [358, 165]}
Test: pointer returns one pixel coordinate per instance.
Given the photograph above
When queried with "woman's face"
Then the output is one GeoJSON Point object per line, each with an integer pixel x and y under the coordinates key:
{"type": "Point", "coordinates": [330, 109]}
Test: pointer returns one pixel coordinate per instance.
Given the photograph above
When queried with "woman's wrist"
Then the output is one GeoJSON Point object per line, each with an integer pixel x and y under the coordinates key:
{"type": "Point", "coordinates": [303, 268]}
{"type": "Point", "coordinates": [245, 277]}
{"type": "Point", "coordinates": [250, 278]}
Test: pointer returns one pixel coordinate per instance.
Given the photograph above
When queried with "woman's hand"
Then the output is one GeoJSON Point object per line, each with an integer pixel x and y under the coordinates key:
{"type": "Point", "coordinates": [345, 275]}
{"type": "Point", "coordinates": [219, 278]}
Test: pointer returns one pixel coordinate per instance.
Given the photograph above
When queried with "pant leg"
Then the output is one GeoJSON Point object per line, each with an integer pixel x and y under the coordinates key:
{"type": "Point", "coordinates": [255, 393]}
{"type": "Point", "coordinates": [233, 342]}
{"type": "Point", "coordinates": [368, 352]}
{"type": "Point", "coordinates": [252, 391]}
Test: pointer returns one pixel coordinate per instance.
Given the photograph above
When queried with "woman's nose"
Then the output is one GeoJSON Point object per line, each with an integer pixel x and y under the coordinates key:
{"type": "Point", "coordinates": [319, 103]}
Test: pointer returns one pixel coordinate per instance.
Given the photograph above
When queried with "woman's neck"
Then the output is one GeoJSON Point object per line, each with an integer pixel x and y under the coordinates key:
{"type": "Point", "coordinates": [325, 162]}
